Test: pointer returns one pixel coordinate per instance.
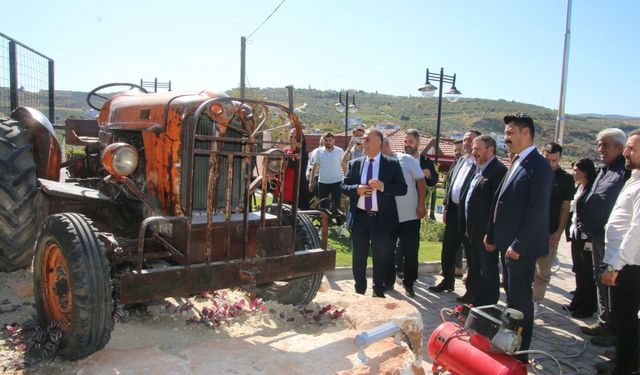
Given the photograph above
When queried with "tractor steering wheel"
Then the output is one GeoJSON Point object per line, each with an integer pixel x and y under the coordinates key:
{"type": "Point", "coordinates": [94, 97]}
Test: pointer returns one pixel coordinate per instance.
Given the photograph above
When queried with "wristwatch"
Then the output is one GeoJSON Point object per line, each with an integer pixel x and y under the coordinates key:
{"type": "Point", "coordinates": [610, 268]}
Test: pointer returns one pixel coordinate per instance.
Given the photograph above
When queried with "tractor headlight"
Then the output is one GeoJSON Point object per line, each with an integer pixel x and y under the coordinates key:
{"type": "Point", "coordinates": [120, 159]}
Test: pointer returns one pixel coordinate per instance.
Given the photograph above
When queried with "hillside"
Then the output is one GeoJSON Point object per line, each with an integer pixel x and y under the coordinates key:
{"type": "Point", "coordinates": [418, 112]}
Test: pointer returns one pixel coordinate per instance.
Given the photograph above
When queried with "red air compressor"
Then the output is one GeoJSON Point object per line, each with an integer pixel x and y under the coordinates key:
{"type": "Point", "coordinates": [482, 342]}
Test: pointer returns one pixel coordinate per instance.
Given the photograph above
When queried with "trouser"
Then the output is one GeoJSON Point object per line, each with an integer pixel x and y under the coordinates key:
{"type": "Point", "coordinates": [626, 303]}
{"type": "Point", "coordinates": [459, 258]}
{"type": "Point", "coordinates": [518, 276]}
{"type": "Point", "coordinates": [473, 250]}
{"type": "Point", "coordinates": [488, 293]}
{"type": "Point", "coordinates": [450, 244]}
{"type": "Point", "coordinates": [326, 190]}
{"type": "Point", "coordinates": [585, 298]}
{"type": "Point", "coordinates": [604, 309]}
{"type": "Point", "coordinates": [542, 275]}
{"type": "Point", "coordinates": [366, 232]}
{"type": "Point", "coordinates": [407, 234]}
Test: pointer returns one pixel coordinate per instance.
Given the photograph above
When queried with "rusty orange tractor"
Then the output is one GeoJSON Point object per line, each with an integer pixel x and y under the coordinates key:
{"type": "Point", "coordinates": [167, 196]}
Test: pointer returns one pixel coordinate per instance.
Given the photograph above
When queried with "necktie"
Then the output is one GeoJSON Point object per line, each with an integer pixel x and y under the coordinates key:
{"type": "Point", "coordinates": [368, 200]}
{"type": "Point", "coordinates": [505, 182]}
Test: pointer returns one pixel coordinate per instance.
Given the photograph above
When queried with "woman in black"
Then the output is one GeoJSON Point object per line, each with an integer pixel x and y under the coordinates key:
{"type": "Point", "coordinates": [584, 302]}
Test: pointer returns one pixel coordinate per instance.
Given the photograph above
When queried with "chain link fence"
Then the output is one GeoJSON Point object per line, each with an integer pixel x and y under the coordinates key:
{"type": "Point", "coordinates": [26, 78]}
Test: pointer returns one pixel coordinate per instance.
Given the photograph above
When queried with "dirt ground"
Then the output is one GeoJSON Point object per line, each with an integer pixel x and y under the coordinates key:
{"type": "Point", "coordinates": [163, 325]}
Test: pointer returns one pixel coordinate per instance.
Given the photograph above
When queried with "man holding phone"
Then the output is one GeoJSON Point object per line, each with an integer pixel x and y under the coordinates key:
{"type": "Point", "coordinates": [354, 150]}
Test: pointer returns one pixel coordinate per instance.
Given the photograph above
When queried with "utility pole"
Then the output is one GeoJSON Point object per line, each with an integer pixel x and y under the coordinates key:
{"type": "Point", "coordinates": [559, 134]}
{"type": "Point", "coordinates": [243, 61]}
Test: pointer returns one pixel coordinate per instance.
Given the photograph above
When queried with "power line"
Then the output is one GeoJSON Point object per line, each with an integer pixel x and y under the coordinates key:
{"type": "Point", "coordinates": [265, 21]}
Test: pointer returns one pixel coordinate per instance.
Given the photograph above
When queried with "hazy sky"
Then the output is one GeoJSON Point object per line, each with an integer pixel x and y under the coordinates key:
{"type": "Point", "coordinates": [500, 49]}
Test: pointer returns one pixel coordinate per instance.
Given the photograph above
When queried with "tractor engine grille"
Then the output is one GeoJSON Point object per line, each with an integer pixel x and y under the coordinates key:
{"type": "Point", "coordinates": [201, 170]}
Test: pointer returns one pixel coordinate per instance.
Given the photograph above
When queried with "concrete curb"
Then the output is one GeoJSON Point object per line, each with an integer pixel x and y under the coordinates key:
{"type": "Point", "coordinates": [342, 273]}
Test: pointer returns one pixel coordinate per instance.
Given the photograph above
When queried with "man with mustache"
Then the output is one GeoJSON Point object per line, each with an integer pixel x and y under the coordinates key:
{"type": "Point", "coordinates": [597, 207]}
{"type": "Point", "coordinates": [519, 219]}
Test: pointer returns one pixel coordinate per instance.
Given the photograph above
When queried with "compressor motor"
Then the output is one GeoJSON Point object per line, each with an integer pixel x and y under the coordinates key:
{"type": "Point", "coordinates": [482, 340]}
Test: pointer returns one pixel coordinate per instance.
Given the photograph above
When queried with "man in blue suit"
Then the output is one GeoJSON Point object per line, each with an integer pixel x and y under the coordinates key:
{"type": "Point", "coordinates": [372, 183]}
{"type": "Point", "coordinates": [519, 220]}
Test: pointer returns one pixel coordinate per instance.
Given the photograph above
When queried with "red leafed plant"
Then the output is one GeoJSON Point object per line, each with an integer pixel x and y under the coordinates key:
{"type": "Point", "coordinates": [221, 311]}
{"type": "Point", "coordinates": [38, 344]}
{"type": "Point", "coordinates": [311, 315]}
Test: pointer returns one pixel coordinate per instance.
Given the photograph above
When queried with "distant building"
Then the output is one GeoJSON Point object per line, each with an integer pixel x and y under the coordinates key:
{"type": "Point", "coordinates": [499, 141]}
{"type": "Point", "coordinates": [387, 126]}
{"type": "Point", "coordinates": [457, 135]}
{"type": "Point", "coordinates": [353, 122]}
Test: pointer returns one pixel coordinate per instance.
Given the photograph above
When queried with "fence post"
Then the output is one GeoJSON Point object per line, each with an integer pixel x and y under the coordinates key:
{"type": "Point", "coordinates": [13, 76]}
{"type": "Point", "coordinates": [52, 107]}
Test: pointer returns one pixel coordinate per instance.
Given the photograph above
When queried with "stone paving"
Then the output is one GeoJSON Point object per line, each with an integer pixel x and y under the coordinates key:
{"type": "Point", "coordinates": [554, 331]}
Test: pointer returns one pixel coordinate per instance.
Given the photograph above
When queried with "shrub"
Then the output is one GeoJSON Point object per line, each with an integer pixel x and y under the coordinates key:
{"type": "Point", "coordinates": [431, 230]}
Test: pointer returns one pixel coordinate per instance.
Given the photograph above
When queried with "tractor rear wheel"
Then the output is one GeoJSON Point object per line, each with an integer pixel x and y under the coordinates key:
{"type": "Point", "coordinates": [19, 197]}
{"type": "Point", "coordinates": [302, 290]}
{"type": "Point", "coordinates": [72, 284]}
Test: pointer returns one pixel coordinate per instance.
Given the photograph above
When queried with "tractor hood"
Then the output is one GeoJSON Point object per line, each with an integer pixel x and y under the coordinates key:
{"type": "Point", "coordinates": [134, 110]}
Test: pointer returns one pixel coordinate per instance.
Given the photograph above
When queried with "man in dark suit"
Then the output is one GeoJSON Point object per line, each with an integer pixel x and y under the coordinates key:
{"type": "Point", "coordinates": [372, 182]}
{"type": "Point", "coordinates": [461, 175]}
{"type": "Point", "coordinates": [519, 218]}
{"type": "Point", "coordinates": [483, 279]}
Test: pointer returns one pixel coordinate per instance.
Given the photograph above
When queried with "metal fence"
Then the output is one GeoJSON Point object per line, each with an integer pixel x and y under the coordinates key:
{"type": "Point", "coordinates": [26, 78]}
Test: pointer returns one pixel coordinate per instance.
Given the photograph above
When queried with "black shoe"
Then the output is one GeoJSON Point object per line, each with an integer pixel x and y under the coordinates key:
{"type": "Point", "coordinates": [388, 288]}
{"type": "Point", "coordinates": [611, 354]}
{"type": "Point", "coordinates": [378, 294]}
{"type": "Point", "coordinates": [604, 340]}
{"type": "Point", "coordinates": [593, 330]}
{"type": "Point", "coordinates": [604, 366]}
{"type": "Point", "coordinates": [400, 275]}
{"type": "Point", "coordinates": [582, 314]}
{"type": "Point", "coordinates": [466, 298]}
{"type": "Point", "coordinates": [442, 287]}
{"type": "Point", "coordinates": [408, 290]}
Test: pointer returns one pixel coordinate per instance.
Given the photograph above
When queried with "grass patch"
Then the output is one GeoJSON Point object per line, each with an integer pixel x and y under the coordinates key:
{"type": "Point", "coordinates": [429, 251]}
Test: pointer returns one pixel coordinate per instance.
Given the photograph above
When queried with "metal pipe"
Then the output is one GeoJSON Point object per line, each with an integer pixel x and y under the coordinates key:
{"type": "Point", "coordinates": [346, 121]}
{"type": "Point", "coordinates": [243, 63]}
{"type": "Point", "coordinates": [374, 335]}
{"type": "Point", "coordinates": [143, 228]}
{"type": "Point", "coordinates": [559, 133]}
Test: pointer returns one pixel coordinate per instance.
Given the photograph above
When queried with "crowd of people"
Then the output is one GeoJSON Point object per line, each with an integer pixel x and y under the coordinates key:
{"type": "Point", "coordinates": [509, 216]}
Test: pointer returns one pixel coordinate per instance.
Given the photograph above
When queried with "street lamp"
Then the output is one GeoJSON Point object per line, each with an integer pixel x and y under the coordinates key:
{"type": "Point", "coordinates": [452, 95]}
{"type": "Point", "coordinates": [346, 107]}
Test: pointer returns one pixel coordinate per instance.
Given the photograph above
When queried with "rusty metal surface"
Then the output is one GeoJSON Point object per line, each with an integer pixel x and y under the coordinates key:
{"type": "Point", "coordinates": [76, 128]}
{"type": "Point", "coordinates": [274, 241]}
{"type": "Point", "coordinates": [46, 150]}
{"type": "Point", "coordinates": [152, 285]}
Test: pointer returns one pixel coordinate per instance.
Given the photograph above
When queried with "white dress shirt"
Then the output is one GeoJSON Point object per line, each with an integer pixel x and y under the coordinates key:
{"type": "Point", "coordinates": [516, 163]}
{"type": "Point", "coordinates": [364, 181]}
{"type": "Point", "coordinates": [472, 185]}
{"type": "Point", "coordinates": [461, 176]}
{"type": "Point", "coordinates": [622, 232]}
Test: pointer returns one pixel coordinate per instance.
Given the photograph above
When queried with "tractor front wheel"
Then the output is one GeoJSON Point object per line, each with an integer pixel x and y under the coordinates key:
{"type": "Point", "coordinates": [72, 284]}
{"type": "Point", "coordinates": [302, 290]}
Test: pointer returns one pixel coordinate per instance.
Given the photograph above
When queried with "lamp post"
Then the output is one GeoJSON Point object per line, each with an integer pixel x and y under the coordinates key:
{"type": "Point", "coordinates": [452, 95]}
{"type": "Point", "coordinates": [346, 107]}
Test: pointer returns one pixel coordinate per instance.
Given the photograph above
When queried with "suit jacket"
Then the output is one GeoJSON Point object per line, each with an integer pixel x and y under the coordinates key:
{"type": "Point", "coordinates": [447, 181]}
{"type": "Point", "coordinates": [475, 221]}
{"type": "Point", "coordinates": [453, 174]}
{"type": "Point", "coordinates": [390, 173]}
{"type": "Point", "coordinates": [522, 217]}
